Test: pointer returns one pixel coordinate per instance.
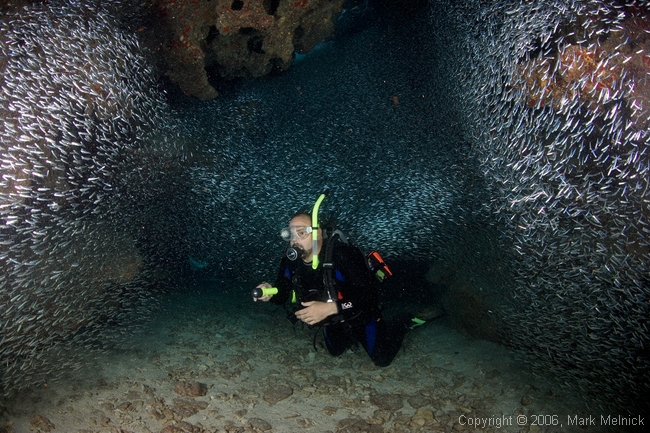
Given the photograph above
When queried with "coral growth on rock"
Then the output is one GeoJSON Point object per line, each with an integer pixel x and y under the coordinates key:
{"type": "Point", "coordinates": [605, 65]}
{"type": "Point", "coordinates": [237, 38]}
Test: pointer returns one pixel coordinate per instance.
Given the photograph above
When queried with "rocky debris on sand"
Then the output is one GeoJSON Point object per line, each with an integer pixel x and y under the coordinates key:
{"type": "Point", "coordinates": [275, 394]}
{"type": "Point", "coordinates": [187, 408]}
{"type": "Point", "coordinates": [259, 424]}
{"type": "Point", "coordinates": [380, 417]}
{"type": "Point", "coordinates": [183, 427]}
{"type": "Point", "coordinates": [330, 410]}
{"type": "Point", "coordinates": [390, 402]}
{"type": "Point", "coordinates": [41, 423]}
{"type": "Point", "coordinates": [191, 389]}
{"type": "Point", "coordinates": [417, 401]}
{"type": "Point", "coordinates": [422, 418]}
{"type": "Point", "coordinates": [352, 425]}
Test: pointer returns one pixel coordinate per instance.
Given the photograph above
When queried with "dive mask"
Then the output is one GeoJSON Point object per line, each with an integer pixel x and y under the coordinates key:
{"type": "Point", "coordinates": [300, 232]}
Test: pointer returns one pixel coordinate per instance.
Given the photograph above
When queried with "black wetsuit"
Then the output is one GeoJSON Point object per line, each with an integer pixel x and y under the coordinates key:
{"type": "Point", "coordinates": [359, 317]}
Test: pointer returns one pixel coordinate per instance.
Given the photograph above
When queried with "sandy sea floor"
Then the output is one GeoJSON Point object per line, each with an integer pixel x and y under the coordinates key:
{"type": "Point", "coordinates": [214, 362]}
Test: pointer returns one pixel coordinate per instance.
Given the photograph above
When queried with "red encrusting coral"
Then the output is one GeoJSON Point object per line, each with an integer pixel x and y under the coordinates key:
{"type": "Point", "coordinates": [596, 71]}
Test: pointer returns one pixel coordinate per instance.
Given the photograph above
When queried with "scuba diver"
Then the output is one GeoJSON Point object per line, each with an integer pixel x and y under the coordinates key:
{"type": "Point", "coordinates": [333, 285]}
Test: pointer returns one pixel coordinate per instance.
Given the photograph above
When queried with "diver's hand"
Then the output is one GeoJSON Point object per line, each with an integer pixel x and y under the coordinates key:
{"type": "Point", "coordinates": [316, 311]}
{"type": "Point", "coordinates": [264, 285]}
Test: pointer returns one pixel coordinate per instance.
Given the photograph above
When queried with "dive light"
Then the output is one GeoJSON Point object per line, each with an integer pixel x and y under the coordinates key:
{"type": "Point", "coordinates": [267, 291]}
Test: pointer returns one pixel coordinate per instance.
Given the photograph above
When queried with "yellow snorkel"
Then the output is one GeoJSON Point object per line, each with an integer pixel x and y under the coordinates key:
{"type": "Point", "coordinates": [314, 230]}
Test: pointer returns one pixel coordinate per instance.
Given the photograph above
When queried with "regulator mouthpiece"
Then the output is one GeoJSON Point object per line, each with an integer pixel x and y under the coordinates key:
{"type": "Point", "coordinates": [294, 252]}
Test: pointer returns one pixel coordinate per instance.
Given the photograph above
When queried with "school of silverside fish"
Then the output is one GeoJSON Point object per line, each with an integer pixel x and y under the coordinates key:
{"type": "Point", "coordinates": [559, 104]}
{"type": "Point", "coordinates": [106, 189]}
{"type": "Point", "coordinates": [75, 95]}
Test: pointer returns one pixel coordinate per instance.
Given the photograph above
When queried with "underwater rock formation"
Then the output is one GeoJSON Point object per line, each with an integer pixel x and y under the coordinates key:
{"type": "Point", "coordinates": [605, 63]}
{"type": "Point", "coordinates": [555, 100]}
{"type": "Point", "coordinates": [237, 38]}
{"type": "Point", "coordinates": [509, 142]}
{"type": "Point", "coordinates": [76, 97]}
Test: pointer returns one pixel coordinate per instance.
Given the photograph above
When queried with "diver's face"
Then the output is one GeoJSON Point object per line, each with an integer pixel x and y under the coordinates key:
{"type": "Point", "coordinates": [305, 244]}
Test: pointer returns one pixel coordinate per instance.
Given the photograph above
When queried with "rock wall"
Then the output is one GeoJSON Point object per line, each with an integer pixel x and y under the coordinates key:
{"type": "Point", "coordinates": [200, 41]}
{"type": "Point", "coordinates": [555, 100]}
{"type": "Point", "coordinates": [76, 99]}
